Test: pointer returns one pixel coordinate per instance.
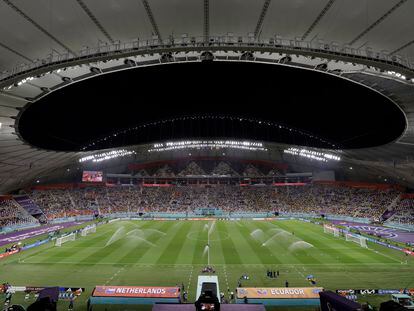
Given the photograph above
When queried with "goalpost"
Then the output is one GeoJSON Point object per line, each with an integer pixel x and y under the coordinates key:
{"type": "Point", "coordinates": [331, 230]}
{"type": "Point", "coordinates": [64, 239]}
{"type": "Point", "coordinates": [357, 239]}
{"type": "Point", "coordinates": [89, 229]}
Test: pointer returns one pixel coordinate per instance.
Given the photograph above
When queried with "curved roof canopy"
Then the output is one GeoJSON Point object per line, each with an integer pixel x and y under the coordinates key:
{"type": "Point", "coordinates": [239, 100]}
{"type": "Point", "coordinates": [31, 30]}
{"type": "Point", "coordinates": [46, 45]}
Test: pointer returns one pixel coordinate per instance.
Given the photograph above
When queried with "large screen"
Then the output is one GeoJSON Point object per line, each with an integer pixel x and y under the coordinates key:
{"type": "Point", "coordinates": [92, 176]}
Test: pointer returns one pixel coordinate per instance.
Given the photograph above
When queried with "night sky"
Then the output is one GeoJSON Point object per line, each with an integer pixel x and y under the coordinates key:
{"type": "Point", "coordinates": [343, 113]}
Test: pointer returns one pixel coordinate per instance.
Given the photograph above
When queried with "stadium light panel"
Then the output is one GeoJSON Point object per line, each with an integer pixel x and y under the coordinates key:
{"type": "Point", "coordinates": [204, 144]}
{"type": "Point", "coordinates": [99, 157]}
{"type": "Point", "coordinates": [312, 154]}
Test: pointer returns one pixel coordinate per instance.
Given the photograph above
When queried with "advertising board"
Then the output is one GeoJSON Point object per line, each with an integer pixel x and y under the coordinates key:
{"type": "Point", "coordinates": [279, 292]}
{"type": "Point", "coordinates": [136, 291]}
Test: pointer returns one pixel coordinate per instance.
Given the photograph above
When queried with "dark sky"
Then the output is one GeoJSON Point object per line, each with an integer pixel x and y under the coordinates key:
{"type": "Point", "coordinates": [339, 111]}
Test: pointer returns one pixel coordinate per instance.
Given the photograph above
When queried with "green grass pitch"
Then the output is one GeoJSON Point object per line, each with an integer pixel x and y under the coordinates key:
{"type": "Point", "coordinates": [166, 253]}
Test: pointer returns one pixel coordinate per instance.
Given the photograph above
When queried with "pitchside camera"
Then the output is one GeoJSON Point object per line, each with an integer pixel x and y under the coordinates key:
{"type": "Point", "coordinates": [207, 301]}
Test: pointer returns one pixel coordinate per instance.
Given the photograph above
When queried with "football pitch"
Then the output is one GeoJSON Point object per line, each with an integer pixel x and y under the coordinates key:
{"type": "Point", "coordinates": [170, 253]}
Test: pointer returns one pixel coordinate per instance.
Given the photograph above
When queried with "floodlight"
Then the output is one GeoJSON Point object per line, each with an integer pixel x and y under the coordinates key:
{"type": "Point", "coordinates": [247, 56]}
{"type": "Point", "coordinates": [206, 56]}
{"type": "Point", "coordinates": [95, 70]}
{"type": "Point", "coordinates": [129, 62]}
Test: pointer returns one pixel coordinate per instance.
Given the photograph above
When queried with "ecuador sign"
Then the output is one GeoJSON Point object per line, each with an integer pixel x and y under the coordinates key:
{"type": "Point", "coordinates": [136, 291]}
{"type": "Point", "coordinates": [279, 292]}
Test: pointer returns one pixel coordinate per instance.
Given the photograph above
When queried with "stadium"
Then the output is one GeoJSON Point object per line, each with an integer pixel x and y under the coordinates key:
{"type": "Point", "coordinates": [206, 155]}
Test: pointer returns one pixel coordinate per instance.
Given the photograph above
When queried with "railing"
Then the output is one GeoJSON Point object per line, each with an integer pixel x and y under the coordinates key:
{"type": "Point", "coordinates": [293, 46]}
{"type": "Point", "coordinates": [347, 218]}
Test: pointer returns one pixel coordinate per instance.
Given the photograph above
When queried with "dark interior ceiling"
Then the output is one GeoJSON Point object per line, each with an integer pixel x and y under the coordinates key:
{"type": "Point", "coordinates": [219, 99]}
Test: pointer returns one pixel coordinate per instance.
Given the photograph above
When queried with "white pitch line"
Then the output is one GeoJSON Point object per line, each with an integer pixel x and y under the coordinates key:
{"type": "Point", "coordinates": [189, 279]}
{"type": "Point", "coordinates": [389, 257]}
{"type": "Point", "coordinates": [225, 277]}
{"type": "Point", "coordinates": [113, 276]}
{"type": "Point", "coordinates": [300, 273]}
{"type": "Point", "coordinates": [219, 265]}
{"type": "Point", "coordinates": [239, 224]}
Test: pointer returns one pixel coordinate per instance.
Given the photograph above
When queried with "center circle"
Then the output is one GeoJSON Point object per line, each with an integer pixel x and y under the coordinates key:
{"type": "Point", "coordinates": [193, 235]}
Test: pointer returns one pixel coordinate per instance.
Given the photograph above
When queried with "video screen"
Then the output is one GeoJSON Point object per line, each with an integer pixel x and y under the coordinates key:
{"type": "Point", "coordinates": [92, 176]}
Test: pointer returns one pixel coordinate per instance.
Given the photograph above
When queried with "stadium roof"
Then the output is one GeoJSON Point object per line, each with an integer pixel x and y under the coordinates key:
{"type": "Point", "coordinates": [46, 45]}
{"type": "Point", "coordinates": [211, 100]}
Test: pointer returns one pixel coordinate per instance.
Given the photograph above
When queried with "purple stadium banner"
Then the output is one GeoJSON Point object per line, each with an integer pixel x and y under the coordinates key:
{"type": "Point", "coordinates": [332, 301]}
{"type": "Point", "coordinates": [384, 232]}
{"type": "Point", "coordinates": [17, 236]}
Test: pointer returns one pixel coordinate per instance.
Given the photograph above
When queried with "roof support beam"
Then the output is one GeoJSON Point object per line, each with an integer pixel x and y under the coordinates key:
{"type": "Point", "coordinates": [94, 20]}
{"type": "Point", "coordinates": [15, 52]}
{"type": "Point", "coordinates": [318, 19]}
{"type": "Point", "coordinates": [259, 25]}
{"type": "Point", "coordinates": [16, 96]}
{"type": "Point", "coordinates": [378, 21]}
{"type": "Point", "coordinates": [402, 47]}
{"type": "Point", "coordinates": [152, 19]}
{"type": "Point", "coordinates": [206, 24]}
{"type": "Point", "coordinates": [37, 26]}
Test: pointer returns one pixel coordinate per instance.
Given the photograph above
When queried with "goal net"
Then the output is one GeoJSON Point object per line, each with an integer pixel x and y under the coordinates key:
{"type": "Point", "coordinates": [89, 229]}
{"type": "Point", "coordinates": [356, 239]}
{"type": "Point", "coordinates": [331, 230]}
{"type": "Point", "coordinates": [64, 239]}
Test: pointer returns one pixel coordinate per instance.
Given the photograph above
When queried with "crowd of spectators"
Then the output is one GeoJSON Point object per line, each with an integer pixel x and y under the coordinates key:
{"type": "Point", "coordinates": [403, 213]}
{"type": "Point", "coordinates": [312, 198]}
{"type": "Point", "coordinates": [325, 199]}
{"type": "Point", "coordinates": [65, 203]}
{"type": "Point", "coordinates": [315, 199]}
{"type": "Point", "coordinates": [11, 214]}
{"type": "Point", "coordinates": [197, 168]}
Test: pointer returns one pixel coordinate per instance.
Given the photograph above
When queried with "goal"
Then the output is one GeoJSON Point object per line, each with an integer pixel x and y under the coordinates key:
{"type": "Point", "coordinates": [356, 239]}
{"type": "Point", "coordinates": [331, 230]}
{"type": "Point", "coordinates": [64, 239]}
{"type": "Point", "coordinates": [89, 229]}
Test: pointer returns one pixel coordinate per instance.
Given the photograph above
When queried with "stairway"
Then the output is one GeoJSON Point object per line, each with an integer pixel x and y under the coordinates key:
{"type": "Point", "coordinates": [389, 211]}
